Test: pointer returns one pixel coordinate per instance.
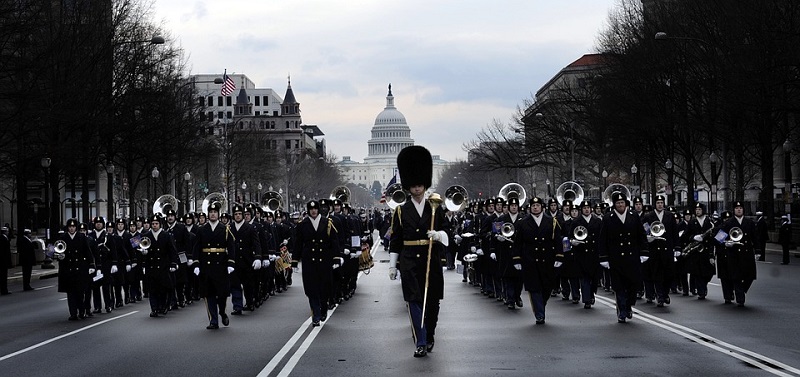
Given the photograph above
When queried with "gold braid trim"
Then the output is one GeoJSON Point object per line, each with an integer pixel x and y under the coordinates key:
{"type": "Point", "coordinates": [330, 225]}
{"type": "Point", "coordinates": [228, 231]}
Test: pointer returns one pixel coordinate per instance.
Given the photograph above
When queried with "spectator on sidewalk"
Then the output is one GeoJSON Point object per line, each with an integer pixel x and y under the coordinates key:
{"type": "Point", "coordinates": [5, 260]}
{"type": "Point", "coordinates": [27, 258]}
{"type": "Point", "coordinates": [785, 237]}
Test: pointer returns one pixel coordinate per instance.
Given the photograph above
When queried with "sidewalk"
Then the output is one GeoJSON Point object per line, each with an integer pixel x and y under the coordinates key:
{"type": "Point", "coordinates": [15, 274]}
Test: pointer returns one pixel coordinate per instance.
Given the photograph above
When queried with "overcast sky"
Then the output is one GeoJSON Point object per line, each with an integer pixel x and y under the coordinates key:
{"type": "Point", "coordinates": [454, 66]}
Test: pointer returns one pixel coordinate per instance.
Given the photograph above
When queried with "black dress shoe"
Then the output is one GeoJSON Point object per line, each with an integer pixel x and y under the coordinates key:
{"type": "Point", "coordinates": [420, 352]}
{"type": "Point", "coordinates": [429, 347]}
{"type": "Point", "coordinates": [587, 306]}
{"type": "Point", "coordinates": [225, 320]}
{"type": "Point", "coordinates": [666, 300]}
{"type": "Point", "coordinates": [153, 314]}
{"type": "Point", "coordinates": [621, 320]}
{"type": "Point", "coordinates": [212, 326]}
{"type": "Point", "coordinates": [89, 314]}
{"type": "Point", "coordinates": [251, 307]}
{"type": "Point", "coordinates": [519, 303]}
{"type": "Point", "coordinates": [511, 306]}
{"type": "Point", "coordinates": [237, 312]}
{"type": "Point", "coordinates": [108, 309]}
{"type": "Point", "coordinates": [27, 289]}
{"type": "Point", "coordinates": [323, 318]}
{"type": "Point", "coordinates": [540, 321]}
{"type": "Point", "coordinates": [72, 318]}
{"type": "Point", "coordinates": [118, 305]}
{"type": "Point", "coordinates": [315, 323]}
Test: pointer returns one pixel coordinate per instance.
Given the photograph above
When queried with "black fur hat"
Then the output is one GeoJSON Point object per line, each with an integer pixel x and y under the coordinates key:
{"type": "Point", "coordinates": [416, 167]}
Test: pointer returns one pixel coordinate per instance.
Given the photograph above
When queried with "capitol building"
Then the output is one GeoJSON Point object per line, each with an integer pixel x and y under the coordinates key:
{"type": "Point", "coordinates": [389, 135]}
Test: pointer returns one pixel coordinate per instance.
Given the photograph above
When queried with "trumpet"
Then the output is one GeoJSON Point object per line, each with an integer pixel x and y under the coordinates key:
{"type": "Point", "coordinates": [59, 249]}
{"type": "Point", "coordinates": [657, 230]}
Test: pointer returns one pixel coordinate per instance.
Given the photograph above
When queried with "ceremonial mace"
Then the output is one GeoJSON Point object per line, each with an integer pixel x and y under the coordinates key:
{"type": "Point", "coordinates": [435, 200]}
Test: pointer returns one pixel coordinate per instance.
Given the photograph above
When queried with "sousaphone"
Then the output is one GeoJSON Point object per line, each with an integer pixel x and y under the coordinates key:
{"type": "Point", "coordinates": [272, 201]}
{"type": "Point", "coordinates": [513, 190]}
{"type": "Point", "coordinates": [163, 203]}
{"type": "Point", "coordinates": [571, 191]}
{"type": "Point", "coordinates": [455, 198]}
{"type": "Point", "coordinates": [395, 195]}
{"type": "Point", "coordinates": [214, 197]}
{"type": "Point", "coordinates": [611, 189]}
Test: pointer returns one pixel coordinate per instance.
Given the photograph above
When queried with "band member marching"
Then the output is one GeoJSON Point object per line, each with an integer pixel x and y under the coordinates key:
{"type": "Point", "coordinates": [417, 243]}
{"type": "Point", "coordinates": [699, 254]}
{"type": "Point", "coordinates": [741, 253]}
{"type": "Point", "coordinates": [160, 262]}
{"type": "Point", "coordinates": [511, 277]}
{"type": "Point", "coordinates": [623, 248]}
{"type": "Point", "coordinates": [585, 251]}
{"type": "Point", "coordinates": [75, 267]}
{"type": "Point", "coordinates": [214, 253]}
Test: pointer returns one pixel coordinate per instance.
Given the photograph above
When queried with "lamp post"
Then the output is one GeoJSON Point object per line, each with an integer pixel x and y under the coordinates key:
{"type": "Point", "coordinates": [787, 168]}
{"type": "Point", "coordinates": [187, 177]}
{"type": "Point", "coordinates": [534, 189]}
{"type": "Point", "coordinates": [713, 159]}
{"type": "Point", "coordinates": [154, 173]}
{"type": "Point", "coordinates": [258, 198]}
{"type": "Point", "coordinates": [605, 178]}
{"type": "Point", "coordinates": [244, 187]}
{"type": "Point", "coordinates": [547, 182]}
{"type": "Point", "coordinates": [47, 263]}
{"type": "Point", "coordinates": [634, 170]}
{"type": "Point", "coordinates": [110, 203]}
{"type": "Point", "coordinates": [668, 189]}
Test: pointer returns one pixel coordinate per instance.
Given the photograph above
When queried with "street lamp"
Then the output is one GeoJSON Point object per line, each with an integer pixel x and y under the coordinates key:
{"type": "Point", "coordinates": [605, 178]}
{"type": "Point", "coordinates": [244, 187]}
{"type": "Point", "coordinates": [534, 190]}
{"type": "Point", "coordinates": [258, 198]}
{"type": "Point", "coordinates": [787, 168]}
{"type": "Point", "coordinates": [634, 170]}
{"type": "Point", "coordinates": [46, 161]}
{"type": "Point", "coordinates": [187, 177]}
{"type": "Point", "coordinates": [155, 174]}
{"type": "Point", "coordinates": [110, 206]}
{"type": "Point", "coordinates": [668, 189]}
{"type": "Point", "coordinates": [547, 182]}
{"type": "Point", "coordinates": [713, 159]}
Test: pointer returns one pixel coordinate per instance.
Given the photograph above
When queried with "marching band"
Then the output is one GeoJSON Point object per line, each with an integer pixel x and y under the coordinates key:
{"type": "Point", "coordinates": [502, 246]}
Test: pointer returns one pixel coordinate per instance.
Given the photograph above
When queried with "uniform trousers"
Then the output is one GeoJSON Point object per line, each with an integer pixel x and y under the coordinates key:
{"type": "Point", "coordinates": [423, 335]}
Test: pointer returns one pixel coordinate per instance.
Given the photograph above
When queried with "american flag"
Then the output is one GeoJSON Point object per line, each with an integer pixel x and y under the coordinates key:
{"type": "Point", "coordinates": [228, 86]}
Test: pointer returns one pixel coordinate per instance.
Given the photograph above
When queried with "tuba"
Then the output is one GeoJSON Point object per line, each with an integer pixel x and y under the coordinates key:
{"type": "Point", "coordinates": [395, 195]}
{"type": "Point", "coordinates": [214, 197]}
{"type": "Point", "coordinates": [164, 201]}
{"type": "Point", "coordinates": [580, 233]}
{"type": "Point", "coordinates": [455, 198]}
{"type": "Point", "coordinates": [612, 188]}
{"type": "Point", "coordinates": [272, 201]}
{"type": "Point", "coordinates": [513, 190]}
{"type": "Point", "coordinates": [571, 191]}
{"type": "Point", "coordinates": [342, 193]}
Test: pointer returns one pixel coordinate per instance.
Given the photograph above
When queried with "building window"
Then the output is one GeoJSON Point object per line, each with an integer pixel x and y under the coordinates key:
{"type": "Point", "coordinates": [201, 101]}
{"type": "Point", "coordinates": [210, 101]}
{"type": "Point", "coordinates": [259, 113]}
{"type": "Point", "coordinates": [272, 125]}
{"type": "Point", "coordinates": [219, 115]}
{"type": "Point", "coordinates": [297, 144]}
{"type": "Point", "coordinates": [219, 101]}
{"type": "Point", "coordinates": [258, 101]}
{"type": "Point", "coordinates": [210, 116]}
{"type": "Point", "coordinates": [229, 113]}
{"type": "Point", "coordinates": [266, 101]}
{"type": "Point", "coordinates": [287, 124]}
{"type": "Point", "coordinates": [288, 144]}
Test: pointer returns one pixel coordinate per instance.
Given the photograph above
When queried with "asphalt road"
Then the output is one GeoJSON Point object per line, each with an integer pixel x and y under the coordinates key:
{"type": "Point", "coordinates": [370, 335]}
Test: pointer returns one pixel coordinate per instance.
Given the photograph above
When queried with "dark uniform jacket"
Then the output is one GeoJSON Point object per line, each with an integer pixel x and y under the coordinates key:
{"type": "Point", "coordinates": [214, 252]}
{"type": "Point", "coordinates": [73, 270]}
{"type": "Point", "coordinates": [741, 258]}
{"type": "Point", "coordinates": [248, 249]}
{"type": "Point", "coordinates": [587, 257]}
{"type": "Point", "coordinates": [27, 257]}
{"type": "Point", "coordinates": [105, 252]}
{"type": "Point", "coordinates": [621, 244]}
{"type": "Point", "coordinates": [161, 256]}
{"type": "Point", "coordinates": [535, 247]}
{"type": "Point", "coordinates": [661, 264]}
{"type": "Point", "coordinates": [316, 248]}
{"type": "Point", "coordinates": [698, 261]}
{"type": "Point", "coordinates": [410, 241]}
{"type": "Point", "coordinates": [505, 249]}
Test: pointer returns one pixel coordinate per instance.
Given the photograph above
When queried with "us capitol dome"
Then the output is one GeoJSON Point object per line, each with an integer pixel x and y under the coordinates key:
{"type": "Point", "coordinates": [389, 135]}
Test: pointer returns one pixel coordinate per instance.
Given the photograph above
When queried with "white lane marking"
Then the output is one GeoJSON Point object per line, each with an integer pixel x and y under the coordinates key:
{"type": "Point", "coordinates": [45, 287]}
{"type": "Point", "coordinates": [62, 299]}
{"type": "Point", "coordinates": [35, 346]}
{"type": "Point", "coordinates": [714, 284]}
{"type": "Point", "coordinates": [750, 357]}
{"type": "Point", "coordinates": [289, 366]}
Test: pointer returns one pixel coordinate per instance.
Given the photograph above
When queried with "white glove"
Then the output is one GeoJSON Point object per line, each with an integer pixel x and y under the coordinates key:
{"type": "Point", "coordinates": [728, 243]}
{"type": "Point", "coordinates": [91, 271]}
{"type": "Point", "coordinates": [114, 269]}
{"type": "Point", "coordinates": [457, 237]}
{"type": "Point", "coordinates": [434, 235]}
{"type": "Point", "coordinates": [605, 264]}
{"type": "Point", "coordinates": [265, 263]}
{"type": "Point", "coordinates": [393, 273]}
{"type": "Point", "coordinates": [285, 242]}
{"type": "Point", "coordinates": [335, 266]}
{"type": "Point", "coordinates": [345, 251]}
{"type": "Point", "coordinates": [127, 268]}
{"type": "Point", "coordinates": [230, 270]}
{"type": "Point", "coordinates": [712, 261]}
{"type": "Point", "coordinates": [393, 265]}
{"type": "Point", "coordinates": [144, 251]}
{"type": "Point", "coordinates": [295, 270]}
{"type": "Point", "coordinates": [189, 262]}
{"type": "Point", "coordinates": [353, 255]}
{"type": "Point", "coordinates": [197, 271]}
{"type": "Point", "coordinates": [557, 264]}
{"type": "Point", "coordinates": [493, 256]}
{"type": "Point", "coordinates": [643, 259]}
{"type": "Point", "coordinates": [172, 269]}
{"type": "Point", "coordinates": [758, 256]}
{"type": "Point", "coordinates": [575, 242]}
{"type": "Point", "coordinates": [272, 257]}
{"type": "Point", "coordinates": [500, 238]}
{"type": "Point", "coordinates": [518, 267]}
{"type": "Point", "coordinates": [698, 238]}
{"type": "Point", "coordinates": [650, 239]}
{"type": "Point", "coordinates": [472, 249]}
{"type": "Point", "coordinates": [134, 265]}
{"type": "Point", "coordinates": [143, 271]}
{"type": "Point", "coordinates": [479, 251]}
{"type": "Point", "coordinates": [676, 253]}
{"type": "Point", "coordinates": [257, 264]}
